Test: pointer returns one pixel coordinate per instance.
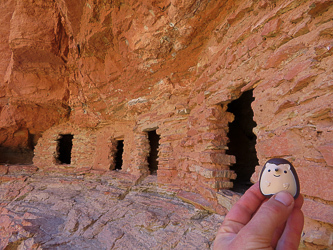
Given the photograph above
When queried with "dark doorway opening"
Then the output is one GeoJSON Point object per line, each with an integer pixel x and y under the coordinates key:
{"type": "Point", "coordinates": [119, 155]}
{"type": "Point", "coordinates": [242, 141]}
{"type": "Point", "coordinates": [65, 144]}
{"type": "Point", "coordinates": [154, 142]}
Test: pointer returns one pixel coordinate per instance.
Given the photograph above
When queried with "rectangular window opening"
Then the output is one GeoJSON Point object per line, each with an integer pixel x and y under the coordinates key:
{"type": "Point", "coordinates": [64, 149]}
{"type": "Point", "coordinates": [154, 142]}
{"type": "Point", "coordinates": [119, 155]}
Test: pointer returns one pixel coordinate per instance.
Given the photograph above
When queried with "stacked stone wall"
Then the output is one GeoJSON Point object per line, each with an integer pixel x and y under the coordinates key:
{"type": "Point", "coordinates": [82, 153]}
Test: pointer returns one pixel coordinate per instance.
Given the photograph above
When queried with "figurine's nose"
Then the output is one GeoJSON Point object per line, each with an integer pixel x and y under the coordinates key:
{"type": "Point", "coordinates": [276, 169]}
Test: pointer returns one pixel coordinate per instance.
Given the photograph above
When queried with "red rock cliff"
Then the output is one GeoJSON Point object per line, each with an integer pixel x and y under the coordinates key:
{"type": "Point", "coordinates": [84, 66]}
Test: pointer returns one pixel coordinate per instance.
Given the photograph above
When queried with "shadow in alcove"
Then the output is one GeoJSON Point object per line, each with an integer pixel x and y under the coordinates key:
{"type": "Point", "coordinates": [242, 141]}
{"type": "Point", "coordinates": [16, 156]}
{"type": "Point", "coordinates": [19, 155]}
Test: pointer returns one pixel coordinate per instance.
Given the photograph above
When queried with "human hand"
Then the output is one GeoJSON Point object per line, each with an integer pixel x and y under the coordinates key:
{"type": "Point", "coordinates": [257, 223]}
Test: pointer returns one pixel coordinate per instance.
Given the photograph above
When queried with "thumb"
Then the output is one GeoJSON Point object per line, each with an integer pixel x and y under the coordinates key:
{"type": "Point", "coordinates": [269, 217]}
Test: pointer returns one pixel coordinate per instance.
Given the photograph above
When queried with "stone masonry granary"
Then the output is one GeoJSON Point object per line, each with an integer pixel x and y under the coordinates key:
{"type": "Point", "coordinates": [118, 82]}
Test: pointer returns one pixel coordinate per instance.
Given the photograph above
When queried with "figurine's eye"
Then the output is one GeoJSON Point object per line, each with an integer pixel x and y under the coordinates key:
{"type": "Point", "coordinates": [285, 171]}
{"type": "Point", "coordinates": [269, 170]}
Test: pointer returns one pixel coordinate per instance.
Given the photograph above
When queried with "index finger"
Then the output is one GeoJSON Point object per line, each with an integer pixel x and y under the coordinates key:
{"type": "Point", "coordinates": [242, 212]}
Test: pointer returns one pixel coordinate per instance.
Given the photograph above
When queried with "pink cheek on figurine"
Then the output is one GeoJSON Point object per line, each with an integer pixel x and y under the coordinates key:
{"type": "Point", "coordinates": [278, 175]}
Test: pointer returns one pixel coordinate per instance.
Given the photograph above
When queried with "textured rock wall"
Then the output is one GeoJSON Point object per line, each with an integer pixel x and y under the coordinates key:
{"type": "Point", "coordinates": [120, 69]}
{"type": "Point", "coordinates": [34, 79]}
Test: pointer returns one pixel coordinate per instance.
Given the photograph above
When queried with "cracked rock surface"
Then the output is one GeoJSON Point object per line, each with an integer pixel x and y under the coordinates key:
{"type": "Point", "coordinates": [53, 211]}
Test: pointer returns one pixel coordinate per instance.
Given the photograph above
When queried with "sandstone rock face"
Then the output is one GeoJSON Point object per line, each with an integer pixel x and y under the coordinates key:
{"type": "Point", "coordinates": [34, 80]}
{"type": "Point", "coordinates": [108, 71]}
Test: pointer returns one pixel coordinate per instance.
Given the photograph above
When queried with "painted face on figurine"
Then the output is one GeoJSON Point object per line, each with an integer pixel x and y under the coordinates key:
{"type": "Point", "coordinates": [278, 175]}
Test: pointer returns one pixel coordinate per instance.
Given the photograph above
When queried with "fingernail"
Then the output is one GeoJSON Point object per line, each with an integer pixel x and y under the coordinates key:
{"type": "Point", "coordinates": [284, 198]}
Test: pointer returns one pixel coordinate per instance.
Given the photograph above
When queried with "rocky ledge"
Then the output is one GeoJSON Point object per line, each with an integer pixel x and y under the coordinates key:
{"type": "Point", "coordinates": [91, 210]}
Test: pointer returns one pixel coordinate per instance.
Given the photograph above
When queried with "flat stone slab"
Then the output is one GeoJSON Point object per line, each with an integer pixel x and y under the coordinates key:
{"type": "Point", "coordinates": [99, 211]}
